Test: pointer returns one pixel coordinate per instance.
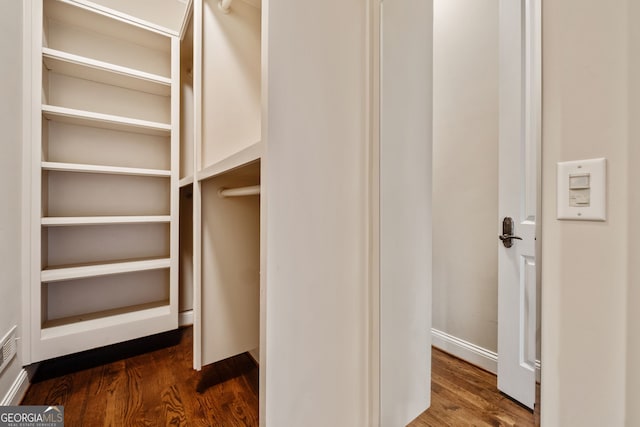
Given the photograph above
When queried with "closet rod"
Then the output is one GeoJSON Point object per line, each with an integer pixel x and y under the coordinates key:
{"type": "Point", "coordinates": [225, 5]}
{"type": "Point", "coordinates": [253, 190]}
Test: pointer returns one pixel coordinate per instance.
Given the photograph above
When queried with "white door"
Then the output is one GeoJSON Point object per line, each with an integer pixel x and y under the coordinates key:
{"type": "Point", "coordinates": [518, 192]}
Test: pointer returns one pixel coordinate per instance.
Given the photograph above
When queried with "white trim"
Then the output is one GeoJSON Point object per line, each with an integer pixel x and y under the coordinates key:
{"type": "Point", "coordinates": [186, 18]}
{"type": "Point", "coordinates": [485, 359]}
{"type": "Point", "coordinates": [17, 390]}
{"type": "Point", "coordinates": [27, 211]}
{"type": "Point", "coordinates": [197, 201]}
{"type": "Point", "coordinates": [469, 352]}
{"type": "Point", "coordinates": [185, 318]}
{"type": "Point", "coordinates": [373, 52]}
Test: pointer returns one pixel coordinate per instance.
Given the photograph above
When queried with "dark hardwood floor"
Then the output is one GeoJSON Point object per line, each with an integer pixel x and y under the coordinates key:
{"type": "Point", "coordinates": [465, 395]}
{"type": "Point", "coordinates": [150, 382]}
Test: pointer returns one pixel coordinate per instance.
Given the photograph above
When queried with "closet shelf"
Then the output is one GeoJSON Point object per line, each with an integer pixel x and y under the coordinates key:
{"type": "Point", "coordinates": [104, 121]}
{"type": "Point", "coordinates": [105, 21]}
{"type": "Point", "coordinates": [105, 319]}
{"type": "Point", "coordinates": [187, 180]}
{"type": "Point", "coordinates": [103, 220]}
{"type": "Point", "coordinates": [102, 269]}
{"type": "Point", "coordinates": [104, 72]}
{"type": "Point", "coordinates": [113, 170]}
{"type": "Point", "coordinates": [249, 154]}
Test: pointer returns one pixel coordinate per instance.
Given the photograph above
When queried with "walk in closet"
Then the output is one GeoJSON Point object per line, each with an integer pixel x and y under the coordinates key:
{"type": "Point", "coordinates": [146, 164]}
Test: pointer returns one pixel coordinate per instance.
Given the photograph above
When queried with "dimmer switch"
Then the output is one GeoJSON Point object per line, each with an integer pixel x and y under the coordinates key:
{"type": "Point", "coordinates": [581, 190]}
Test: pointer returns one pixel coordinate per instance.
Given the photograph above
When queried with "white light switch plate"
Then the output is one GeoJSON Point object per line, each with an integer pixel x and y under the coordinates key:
{"type": "Point", "coordinates": [596, 209]}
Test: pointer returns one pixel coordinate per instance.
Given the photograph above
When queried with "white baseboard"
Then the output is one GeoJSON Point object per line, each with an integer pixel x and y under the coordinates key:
{"type": "Point", "coordinates": [474, 354]}
{"type": "Point", "coordinates": [185, 318]}
{"type": "Point", "coordinates": [485, 359]}
{"type": "Point", "coordinates": [17, 390]}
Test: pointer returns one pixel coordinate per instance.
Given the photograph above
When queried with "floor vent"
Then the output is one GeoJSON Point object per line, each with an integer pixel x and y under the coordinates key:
{"type": "Point", "coordinates": [8, 345]}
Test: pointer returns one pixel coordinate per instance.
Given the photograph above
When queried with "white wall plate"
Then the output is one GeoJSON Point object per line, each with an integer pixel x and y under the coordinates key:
{"type": "Point", "coordinates": [582, 190]}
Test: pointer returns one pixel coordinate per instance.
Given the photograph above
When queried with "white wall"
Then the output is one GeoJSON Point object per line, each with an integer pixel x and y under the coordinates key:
{"type": "Point", "coordinates": [10, 177]}
{"type": "Point", "coordinates": [321, 199]}
{"type": "Point", "coordinates": [316, 180]}
{"type": "Point", "coordinates": [465, 170]}
{"type": "Point", "coordinates": [585, 265]}
{"type": "Point", "coordinates": [405, 210]}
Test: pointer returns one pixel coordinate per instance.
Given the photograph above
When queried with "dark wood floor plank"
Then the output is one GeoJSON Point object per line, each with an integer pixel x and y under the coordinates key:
{"type": "Point", "coordinates": [152, 383]}
{"type": "Point", "coordinates": [148, 383]}
{"type": "Point", "coordinates": [464, 395]}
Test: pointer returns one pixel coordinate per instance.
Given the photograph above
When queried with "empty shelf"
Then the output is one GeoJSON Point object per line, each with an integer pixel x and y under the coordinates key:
{"type": "Point", "coordinates": [104, 121]}
{"type": "Point", "coordinates": [95, 270]}
{"type": "Point", "coordinates": [104, 319]}
{"type": "Point", "coordinates": [104, 72]}
{"type": "Point", "coordinates": [234, 161]}
{"type": "Point", "coordinates": [187, 180]}
{"type": "Point", "coordinates": [103, 220]}
{"type": "Point", "coordinates": [115, 170]}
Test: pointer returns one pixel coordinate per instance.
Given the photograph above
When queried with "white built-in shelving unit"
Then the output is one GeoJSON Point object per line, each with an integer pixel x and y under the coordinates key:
{"type": "Point", "coordinates": [227, 154]}
{"type": "Point", "coordinates": [105, 181]}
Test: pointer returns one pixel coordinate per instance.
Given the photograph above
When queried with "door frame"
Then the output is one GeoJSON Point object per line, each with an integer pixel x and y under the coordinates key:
{"type": "Point", "coordinates": [533, 49]}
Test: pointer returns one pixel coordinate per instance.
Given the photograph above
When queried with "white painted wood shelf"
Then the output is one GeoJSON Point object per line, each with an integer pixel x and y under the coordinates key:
{"type": "Point", "coordinates": [104, 319]}
{"type": "Point", "coordinates": [102, 269]}
{"type": "Point", "coordinates": [104, 121]}
{"type": "Point", "coordinates": [103, 220]}
{"type": "Point", "coordinates": [247, 155]}
{"type": "Point", "coordinates": [112, 170]}
{"type": "Point", "coordinates": [187, 180]}
{"type": "Point", "coordinates": [103, 72]}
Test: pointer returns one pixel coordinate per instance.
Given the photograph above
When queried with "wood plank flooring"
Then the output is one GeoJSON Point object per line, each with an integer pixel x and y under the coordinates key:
{"type": "Point", "coordinates": [150, 382]}
{"type": "Point", "coordinates": [465, 395]}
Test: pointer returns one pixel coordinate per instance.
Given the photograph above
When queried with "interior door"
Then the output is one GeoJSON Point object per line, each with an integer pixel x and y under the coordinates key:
{"type": "Point", "coordinates": [519, 195]}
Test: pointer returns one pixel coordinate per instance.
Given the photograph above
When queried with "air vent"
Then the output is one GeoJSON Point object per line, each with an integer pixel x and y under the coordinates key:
{"type": "Point", "coordinates": [8, 345]}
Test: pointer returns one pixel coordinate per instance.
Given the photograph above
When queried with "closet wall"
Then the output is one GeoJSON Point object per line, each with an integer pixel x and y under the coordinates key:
{"type": "Point", "coordinates": [11, 216]}
{"type": "Point", "coordinates": [465, 170]}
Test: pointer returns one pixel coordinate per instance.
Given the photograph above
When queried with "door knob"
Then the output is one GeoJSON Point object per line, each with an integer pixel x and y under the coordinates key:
{"type": "Point", "coordinates": [507, 233]}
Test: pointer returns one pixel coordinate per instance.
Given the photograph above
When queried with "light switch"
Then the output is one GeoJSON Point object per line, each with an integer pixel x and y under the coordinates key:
{"type": "Point", "coordinates": [581, 190]}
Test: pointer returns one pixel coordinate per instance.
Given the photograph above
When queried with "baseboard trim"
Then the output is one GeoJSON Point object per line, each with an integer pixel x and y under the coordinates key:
{"type": "Point", "coordinates": [185, 318]}
{"type": "Point", "coordinates": [474, 354]}
{"type": "Point", "coordinates": [17, 390]}
{"type": "Point", "coordinates": [481, 357]}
